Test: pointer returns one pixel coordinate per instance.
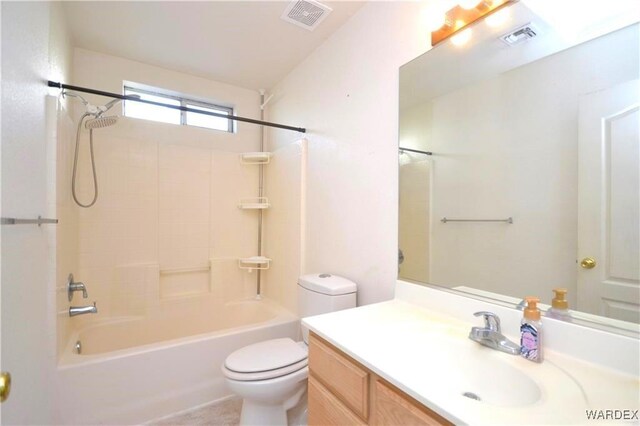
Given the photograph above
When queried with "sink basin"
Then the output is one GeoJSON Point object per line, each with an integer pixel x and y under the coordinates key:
{"type": "Point", "coordinates": [486, 375]}
{"type": "Point", "coordinates": [495, 382]}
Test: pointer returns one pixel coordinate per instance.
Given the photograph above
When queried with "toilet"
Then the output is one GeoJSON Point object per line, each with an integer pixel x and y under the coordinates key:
{"type": "Point", "coordinates": [271, 376]}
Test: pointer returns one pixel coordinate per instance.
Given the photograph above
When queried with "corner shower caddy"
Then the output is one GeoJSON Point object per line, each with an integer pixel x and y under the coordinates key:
{"type": "Point", "coordinates": [258, 263]}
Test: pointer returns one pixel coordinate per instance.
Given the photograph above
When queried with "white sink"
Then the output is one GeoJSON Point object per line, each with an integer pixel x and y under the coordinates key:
{"type": "Point", "coordinates": [495, 382]}
{"type": "Point", "coordinates": [484, 374]}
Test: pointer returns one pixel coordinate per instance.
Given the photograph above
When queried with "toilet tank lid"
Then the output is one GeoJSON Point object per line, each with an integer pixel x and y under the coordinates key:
{"type": "Point", "coordinates": [328, 284]}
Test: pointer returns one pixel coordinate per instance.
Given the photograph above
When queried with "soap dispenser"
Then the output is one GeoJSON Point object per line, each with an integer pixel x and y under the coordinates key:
{"type": "Point", "coordinates": [530, 331]}
{"type": "Point", "coordinates": [559, 306]}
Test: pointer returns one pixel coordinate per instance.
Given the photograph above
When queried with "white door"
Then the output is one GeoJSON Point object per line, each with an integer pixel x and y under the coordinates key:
{"type": "Point", "coordinates": [609, 203]}
{"type": "Point", "coordinates": [27, 313]}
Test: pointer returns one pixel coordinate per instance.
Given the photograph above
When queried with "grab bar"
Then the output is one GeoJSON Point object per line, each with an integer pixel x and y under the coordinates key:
{"type": "Point", "coordinates": [14, 221]}
{"type": "Point", "coordinates": [507, 220]}
{"type": "Point", "coordinates": [185, 270]}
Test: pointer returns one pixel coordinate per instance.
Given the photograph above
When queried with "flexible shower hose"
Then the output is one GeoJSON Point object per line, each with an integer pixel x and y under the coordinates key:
{"type": "Point", "coordinates": [93, 166]}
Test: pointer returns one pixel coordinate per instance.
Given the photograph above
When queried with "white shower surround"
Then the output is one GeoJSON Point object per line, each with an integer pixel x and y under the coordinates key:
{"type": "Point", "coordinates": [152, 354]}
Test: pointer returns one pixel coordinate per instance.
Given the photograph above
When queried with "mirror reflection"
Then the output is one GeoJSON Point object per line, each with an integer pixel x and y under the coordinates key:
{"type": "Point", "coordinates": [533, 183]}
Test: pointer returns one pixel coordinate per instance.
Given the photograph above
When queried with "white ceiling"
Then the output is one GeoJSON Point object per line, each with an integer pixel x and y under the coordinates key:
{"type": "Point", "coordinates": [244, 43]}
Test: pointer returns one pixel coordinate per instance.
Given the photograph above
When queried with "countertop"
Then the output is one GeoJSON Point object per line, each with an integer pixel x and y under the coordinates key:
{"type": "Point", "coordinates": [425, 353]}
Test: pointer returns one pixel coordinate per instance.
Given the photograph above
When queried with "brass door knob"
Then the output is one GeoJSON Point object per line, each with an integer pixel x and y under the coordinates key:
{"type": "Point", "coordinates": [588, 263]}
{"type": "Point", "coordinates": [5, 386]}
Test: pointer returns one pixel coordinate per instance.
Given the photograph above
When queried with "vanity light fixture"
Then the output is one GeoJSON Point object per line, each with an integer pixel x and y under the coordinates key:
{"type": "Point", "coordinates": [462, 16]}
{"type": "Point", "coordinates": [469, 4]}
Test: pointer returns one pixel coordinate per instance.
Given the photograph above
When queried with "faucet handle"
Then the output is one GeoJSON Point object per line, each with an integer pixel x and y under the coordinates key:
{"type": "Point", "coordinates": [491, 320]}
{"type": "Point", "coordinates": [82, 287]}
{"type": "Point", "coordinates": [73, 286]}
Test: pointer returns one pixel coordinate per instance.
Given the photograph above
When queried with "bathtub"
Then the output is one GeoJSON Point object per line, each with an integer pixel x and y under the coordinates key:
{"type": "Point", "coordinates": [135, 369]}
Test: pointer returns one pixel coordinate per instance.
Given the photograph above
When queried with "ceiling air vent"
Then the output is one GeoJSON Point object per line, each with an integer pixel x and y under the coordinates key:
{"type": "Point", "coordinates": [306, 13]}
{"type": "Point", "coordinates": [520, 34]}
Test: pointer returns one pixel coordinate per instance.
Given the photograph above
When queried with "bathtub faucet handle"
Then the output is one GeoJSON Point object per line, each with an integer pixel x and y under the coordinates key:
{"type": "Point", "coordinates": [75, 286]}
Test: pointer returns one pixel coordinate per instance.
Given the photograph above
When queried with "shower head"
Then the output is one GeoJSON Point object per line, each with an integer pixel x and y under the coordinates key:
{"type": "Point", "coordinates": [110, 104]}
{"type": "Point", "coordinates": [100, 122]}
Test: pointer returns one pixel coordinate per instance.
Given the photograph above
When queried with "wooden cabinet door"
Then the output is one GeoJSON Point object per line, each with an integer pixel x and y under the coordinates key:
{"type": "Point", "coordinates": [395, 408]}
{"type": "Point", "coordinates": [327, 410]}
{"type": "Point", "coordinates": [339, 374]}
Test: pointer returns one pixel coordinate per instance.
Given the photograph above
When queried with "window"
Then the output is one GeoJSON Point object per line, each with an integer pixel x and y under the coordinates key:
{"type": "Point", "coordinates": [175, 116]}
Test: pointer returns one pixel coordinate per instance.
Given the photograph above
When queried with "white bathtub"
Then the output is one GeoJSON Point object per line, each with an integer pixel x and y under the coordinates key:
{"type": "Point", "coordinates": [135, 369]}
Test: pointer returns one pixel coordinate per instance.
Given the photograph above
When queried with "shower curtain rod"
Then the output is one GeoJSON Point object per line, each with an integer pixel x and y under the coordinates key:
{"type": "Point", "coordinates": [415, 150]}
{"type": "Point", "coordinates": [178, 107]}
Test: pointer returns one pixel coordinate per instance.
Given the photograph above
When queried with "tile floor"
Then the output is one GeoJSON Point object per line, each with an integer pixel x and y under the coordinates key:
{"type": "Point", "coordinates": [225, 413]}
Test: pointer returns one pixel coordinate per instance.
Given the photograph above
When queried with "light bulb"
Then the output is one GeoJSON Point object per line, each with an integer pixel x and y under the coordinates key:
{"type": "Point", "coordinates": [434, 17]}
{"type": "Point", "coordinates": [469, 4]}
{"type": "Point", "coordinates": [497, 19]}
{"type": "Point", "coordinates": [462, 38]}
{"type": "Point", "coordinates": [435, 21]}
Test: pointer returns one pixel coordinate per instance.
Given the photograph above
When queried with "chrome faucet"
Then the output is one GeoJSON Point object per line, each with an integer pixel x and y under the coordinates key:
{"type": "Point", "coordinates": [81, 310]}
{"type": "Point", "coordinates": [74, 286]}
{"type": "Point", "coordinates": [491, 335]}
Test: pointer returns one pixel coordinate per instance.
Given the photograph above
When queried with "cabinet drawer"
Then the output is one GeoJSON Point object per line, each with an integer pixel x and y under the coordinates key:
{"type": "Point", "coordinates": [342, 376]}
{"type": "Point", "coordinates": [326, 410]}
{"type": "Point", "coordinates": [395, 408]}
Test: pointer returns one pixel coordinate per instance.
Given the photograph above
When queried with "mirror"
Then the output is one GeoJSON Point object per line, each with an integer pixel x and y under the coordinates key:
{"type": "Point", "coordinates": [533, 182]}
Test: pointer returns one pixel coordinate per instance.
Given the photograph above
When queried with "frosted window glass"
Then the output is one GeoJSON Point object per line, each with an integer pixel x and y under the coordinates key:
{"type": "Point", "coordinates": [152, 112]}
{"type": "Point", "coordinates": [208, 121]}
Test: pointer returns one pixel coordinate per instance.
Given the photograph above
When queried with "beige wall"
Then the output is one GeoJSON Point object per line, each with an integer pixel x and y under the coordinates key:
{"type": "Point", "coordinates": [66, 232]}
{"type": "Point", "coordinates": [414, 216]}
{"type": "Point", "coordinates": [414, 212]}
{"type": "Point", "coordinates": [346, 94]}
{"type": "Point", "coordinates": [514, 155]}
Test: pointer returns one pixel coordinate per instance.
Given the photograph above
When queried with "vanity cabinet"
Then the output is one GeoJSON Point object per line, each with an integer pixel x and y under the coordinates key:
{"type": "Point", "coordinates": [343, 392]}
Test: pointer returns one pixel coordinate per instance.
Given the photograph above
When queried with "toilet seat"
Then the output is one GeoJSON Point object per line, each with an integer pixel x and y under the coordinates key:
{"type": "Point", "coordinates": [266, 360]}
{"type": "Point", "coordinates": [264, 375]}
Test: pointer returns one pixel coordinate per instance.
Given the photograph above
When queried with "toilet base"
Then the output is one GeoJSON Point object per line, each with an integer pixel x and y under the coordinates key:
{"type": "Point", "coordinates": [254, 413]}
{"type": "Point", "coordinates": [262, 413]}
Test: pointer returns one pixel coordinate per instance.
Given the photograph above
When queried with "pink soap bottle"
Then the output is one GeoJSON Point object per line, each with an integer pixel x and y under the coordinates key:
{"type": "Point", "coordinates": [531, 331]}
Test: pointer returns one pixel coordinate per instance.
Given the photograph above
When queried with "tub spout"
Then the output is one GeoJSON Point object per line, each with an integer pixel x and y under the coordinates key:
{"type": "Point", "coordinates": [81, 310]}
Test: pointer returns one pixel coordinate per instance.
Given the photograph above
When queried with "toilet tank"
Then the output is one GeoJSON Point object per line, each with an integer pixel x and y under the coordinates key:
{"type": "Point", "coordinates": [324, 293]}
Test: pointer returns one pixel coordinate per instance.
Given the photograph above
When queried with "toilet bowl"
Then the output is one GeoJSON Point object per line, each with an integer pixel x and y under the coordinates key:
{"type": "Point", "coordinates": [271, 376]}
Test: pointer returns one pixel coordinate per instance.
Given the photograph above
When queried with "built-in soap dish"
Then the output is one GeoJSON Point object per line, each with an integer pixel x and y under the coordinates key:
{"type": "Point", "coordinates": [254, 262]}
{"type": "Point", "coordinates": [255, 158]}
{"type": "Point", "coordinates": [257, 203]}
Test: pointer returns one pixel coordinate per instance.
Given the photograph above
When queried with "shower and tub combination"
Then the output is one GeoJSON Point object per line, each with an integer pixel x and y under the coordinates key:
{"type": "Point", "coordinates": [180, 295]}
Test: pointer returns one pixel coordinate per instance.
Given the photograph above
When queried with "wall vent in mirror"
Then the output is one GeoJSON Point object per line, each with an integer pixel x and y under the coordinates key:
{"type": "Point", "coordinates": [520, 34]}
